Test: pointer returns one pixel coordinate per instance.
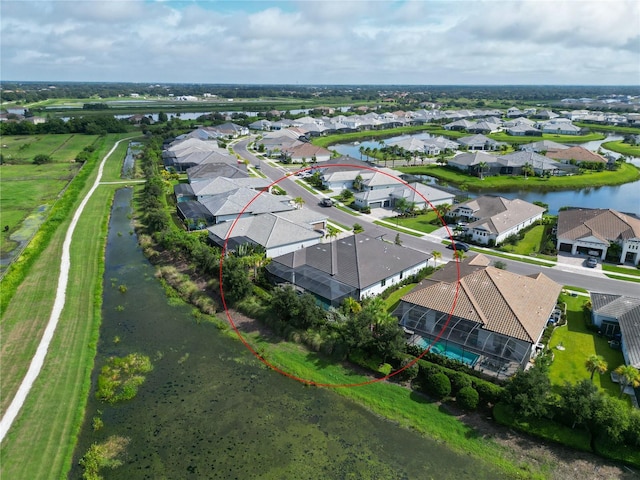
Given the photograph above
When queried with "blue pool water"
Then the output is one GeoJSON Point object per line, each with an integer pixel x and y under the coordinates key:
{"type": "Point", "coordinates": [451, 351]}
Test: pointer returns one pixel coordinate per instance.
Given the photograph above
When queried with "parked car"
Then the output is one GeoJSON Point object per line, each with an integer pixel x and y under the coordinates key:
{"type": "Point", "coordinates": [592, 262]}
{"type": "Point", "coordinates": [459, 246]}
{"type": "Point", "coordinates": [326, 202]}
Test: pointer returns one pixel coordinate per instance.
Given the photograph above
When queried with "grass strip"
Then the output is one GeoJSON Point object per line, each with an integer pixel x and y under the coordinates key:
{"type": "Point", "coordinates": [625, 279]}
{"type": "Point", "coordinates": [624, 270]}
{"type": "Point", "coordinates": [306, 187]}
{"type": "Point", "coordinates": [397, 229]}
{"type": "Point", "coordinates": [348, 210]}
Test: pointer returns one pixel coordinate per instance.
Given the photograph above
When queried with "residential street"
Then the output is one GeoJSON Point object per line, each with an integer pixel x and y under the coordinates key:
{"type": "Point", "coordinates": [564, 274]}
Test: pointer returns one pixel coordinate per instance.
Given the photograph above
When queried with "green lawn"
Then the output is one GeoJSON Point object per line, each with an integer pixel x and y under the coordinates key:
{"type": "Point", "coordinates": [531, 243]}
{"type": "Point", "coordinates": [623, 148]}
{"type": "Point", "coordinates": [579, 343]}
{"type": "Point", "coordinates": [421, 222]}
{"type": "Point", "coordinates": [625, 174]}
{"type": "Point", "coordinates": [393, 300]}
{"type": "Point", "coordinates": [617, 269]}
{"type": "Point", "coordinates": [392, 226]}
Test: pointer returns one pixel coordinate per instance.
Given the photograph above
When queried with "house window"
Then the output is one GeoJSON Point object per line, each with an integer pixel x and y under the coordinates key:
{"type": "Point", "coordinates": [401, 275]}
{"type": "Point", "coordinates": [383, 282]}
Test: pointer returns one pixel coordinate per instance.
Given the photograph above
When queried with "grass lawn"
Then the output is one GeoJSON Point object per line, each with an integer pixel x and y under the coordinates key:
{"type": "Point", "coordinates": [623, 148]}
{"type": "Point", "coordinates": [616, 269]}
{"type": "Point", "coordinates": [393, 300]}
{"type": "Point", "coordinates": [421, 222]}
{"type": "Point", "coordinates": [579, 343]}
{"type": "Point", "coordinates": [531, 243]}
{"type": "Point", "coordinates": [625, 174]}
{"type": "Point", "coordinates": [397, 229]}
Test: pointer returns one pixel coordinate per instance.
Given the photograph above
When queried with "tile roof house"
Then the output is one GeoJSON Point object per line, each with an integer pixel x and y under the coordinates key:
{"type": "Point", "coordinates": [489, 318]}
{"type": "Point", "coordinates": [614, 314]}
{"type": "Point", "coordinates": [491, 219]}
{"type": "Point", "coordinates": [357, 266]}
{"type": "Point", "coordinates": [300, 152]}
{"type": "Point", "coordinates": [594, 230]}
{"type": "Point", "coordinates": [577, 153]}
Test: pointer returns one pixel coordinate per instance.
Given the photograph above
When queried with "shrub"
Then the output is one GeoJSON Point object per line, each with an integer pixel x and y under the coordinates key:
{"type": "Point", "coordinates": [468, 398]}
{"type": "Point", "coordinates": [459, 380]}
{"type": "Point", "coordinates": [42, 159]}
{"type": "Point", "coordinates": [409, 373]}
{"type": "Point", "coordinates": [439, 385]}
{"type": "Point", "coordinates": [490, 393]}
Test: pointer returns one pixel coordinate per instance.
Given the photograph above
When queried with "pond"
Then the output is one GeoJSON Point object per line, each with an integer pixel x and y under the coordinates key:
{"type": "Point", "coordinates": [210, 410]}
{"type": "Point", "coordinates": [623, 198]}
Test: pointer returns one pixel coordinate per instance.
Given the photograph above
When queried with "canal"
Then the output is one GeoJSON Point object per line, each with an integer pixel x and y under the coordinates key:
{"type": "Point", "coordinates": [209, 409]}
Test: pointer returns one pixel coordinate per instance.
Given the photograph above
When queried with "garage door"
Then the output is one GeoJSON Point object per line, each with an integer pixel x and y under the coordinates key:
{"type": "Point", "coordinates": [565, 247]}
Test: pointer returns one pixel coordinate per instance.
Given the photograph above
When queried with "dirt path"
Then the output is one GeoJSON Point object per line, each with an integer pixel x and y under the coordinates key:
{"type": "Point", "coordinates": [63, 279]}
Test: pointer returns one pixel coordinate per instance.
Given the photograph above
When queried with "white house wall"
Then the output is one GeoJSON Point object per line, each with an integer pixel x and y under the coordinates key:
{"type": "Point", "coordinates": [378, 288]}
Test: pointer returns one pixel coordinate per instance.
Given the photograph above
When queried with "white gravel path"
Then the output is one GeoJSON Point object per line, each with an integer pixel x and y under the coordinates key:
{"type": "Point", "coordinates": [65, 264]}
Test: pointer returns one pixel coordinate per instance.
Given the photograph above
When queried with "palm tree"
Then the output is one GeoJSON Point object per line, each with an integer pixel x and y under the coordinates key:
{"type": "Point", "coordinates": [298, 201]}
{"type": "Point", "coordinates": [629, 376]}
{"type": "Point", "coordinates": [527, 169]}
{"type": "Point", "coordinates": [361, 150]}
{"type": "Point", "coordinates": [596, 363]}
{"type": "Point", "coordinates": [482, 166]}
{"type": "Point", "coordinates": [459, 255]}
{"type": "Point", "coordinates": [436, 256]}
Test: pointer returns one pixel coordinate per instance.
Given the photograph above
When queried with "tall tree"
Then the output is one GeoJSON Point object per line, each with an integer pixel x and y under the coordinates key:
{"type": "Point", "coordinates": [436, 256]}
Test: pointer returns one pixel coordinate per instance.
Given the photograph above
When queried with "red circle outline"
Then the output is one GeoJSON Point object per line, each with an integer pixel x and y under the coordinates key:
{"type": "Point", "coordinates": [340, 385]}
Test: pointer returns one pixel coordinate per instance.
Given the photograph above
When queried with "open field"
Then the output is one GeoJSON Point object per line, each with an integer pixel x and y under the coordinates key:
{"type": "Point", "coordinates": [41, 441]}
{"type": "Point", "coordinates": [22, 149]}
{"type": "Point", "coordinates": [625, 174]}
{"type": "Point", "coordinates": [28, 190]}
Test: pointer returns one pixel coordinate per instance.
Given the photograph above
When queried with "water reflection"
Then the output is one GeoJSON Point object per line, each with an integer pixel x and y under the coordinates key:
{"type": "Point", "coordinates": [210, 410]}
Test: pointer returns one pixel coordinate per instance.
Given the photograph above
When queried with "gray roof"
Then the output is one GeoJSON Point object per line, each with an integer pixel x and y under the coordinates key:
{"type": "Point", "coordinates": [213, 170]}
{"type": "Point", "coordinates": [542, 146]}
{"type": "Point", "coordinates": [627, 311]}
{"type": "Point", "coordinates": [215, 186]}
{"type": "Point", "coordinates": [498, 214]}
{"type": "Point", "coordinates": [605, 224]}
{"type": "Point", "coordinates": [537, 161]}
{"type": "Point", "coordinates": [358, 260]}
{"type": "Point", "coordinates": [246, 201]}
{"type": "Point", "coordinates": [473, 158]}
{"type": "Point", "coordinates": [419, 190]}
{"type": "Point", "coordinates": [479, 139]}
{"type": "Point", "coordinates": [269, 230]}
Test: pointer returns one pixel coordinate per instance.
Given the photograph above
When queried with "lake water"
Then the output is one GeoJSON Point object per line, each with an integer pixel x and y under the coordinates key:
{"type": "Point", "coordinates": [624, 198]}
{"type": "Point", "coordinates": [210, 410]}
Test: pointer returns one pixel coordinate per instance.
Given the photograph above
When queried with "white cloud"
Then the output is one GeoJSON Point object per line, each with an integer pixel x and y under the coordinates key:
{"type": "Point", "coordinates": [348, 41]}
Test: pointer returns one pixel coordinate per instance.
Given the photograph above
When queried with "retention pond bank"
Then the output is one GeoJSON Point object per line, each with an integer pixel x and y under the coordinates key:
{"type": "Point", "coordinates": [209, 409]}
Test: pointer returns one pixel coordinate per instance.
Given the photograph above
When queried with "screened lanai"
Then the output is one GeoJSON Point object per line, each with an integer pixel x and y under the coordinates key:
{"type": "Point", "coordinates": [323, 286]}
{"type": "Point", "coordinates": [463, 340]}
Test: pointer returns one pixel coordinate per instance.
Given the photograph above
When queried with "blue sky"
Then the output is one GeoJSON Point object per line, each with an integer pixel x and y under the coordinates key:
{"type": "Point", "coordinates": [322, 42]}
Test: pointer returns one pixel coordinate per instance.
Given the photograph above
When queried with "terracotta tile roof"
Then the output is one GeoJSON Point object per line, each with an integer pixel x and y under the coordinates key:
{"type": "Point", "coordinates": [503, 302]}
{"type": "Point", "coordinates": [604, 224]}
{"type": "Point", "coordinates": [579, 154]}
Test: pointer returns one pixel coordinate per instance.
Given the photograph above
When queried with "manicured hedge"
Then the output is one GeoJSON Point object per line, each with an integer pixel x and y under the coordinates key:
{"type": "Point", "coordinates": [468, 398]}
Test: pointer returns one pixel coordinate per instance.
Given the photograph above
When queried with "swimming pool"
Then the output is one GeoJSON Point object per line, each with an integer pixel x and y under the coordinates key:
{"type": "Point", "coordinates": [451, 351]}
